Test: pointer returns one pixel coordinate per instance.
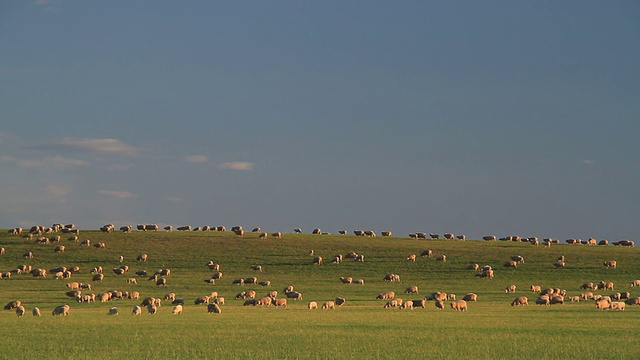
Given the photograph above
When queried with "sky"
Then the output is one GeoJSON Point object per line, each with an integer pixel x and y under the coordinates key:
{"type": "Point", "coordinates": [471, 117]}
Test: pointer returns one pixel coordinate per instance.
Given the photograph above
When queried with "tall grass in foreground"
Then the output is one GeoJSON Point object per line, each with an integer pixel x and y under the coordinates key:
{"type": "Point", "coordinates": [491, 329]}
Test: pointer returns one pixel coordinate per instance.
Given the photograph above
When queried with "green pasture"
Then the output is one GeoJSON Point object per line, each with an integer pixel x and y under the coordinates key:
{"type": "Point", "coordinates": [360, 329]}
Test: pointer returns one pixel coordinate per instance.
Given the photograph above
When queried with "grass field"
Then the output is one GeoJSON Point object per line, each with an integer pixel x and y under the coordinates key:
{"type": "Point", "coordinates": [362, 328]}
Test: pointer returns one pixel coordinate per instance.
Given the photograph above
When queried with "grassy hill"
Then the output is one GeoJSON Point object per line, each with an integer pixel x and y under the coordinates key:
{"type": "Point", "coordinates": [490, 329]}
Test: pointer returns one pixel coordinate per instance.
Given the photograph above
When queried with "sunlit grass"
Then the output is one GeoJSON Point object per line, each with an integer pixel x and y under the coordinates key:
{"type": "Point", "coordinates": [491, 329]}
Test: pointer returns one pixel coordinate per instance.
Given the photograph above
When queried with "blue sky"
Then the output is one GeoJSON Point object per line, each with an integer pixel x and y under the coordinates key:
{"type": "Point", "coordinates": [469, 117]}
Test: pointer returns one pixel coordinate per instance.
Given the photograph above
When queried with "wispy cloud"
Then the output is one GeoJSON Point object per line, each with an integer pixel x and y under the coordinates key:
{"type": "Point", "coordinates": [195, 158]}
{"type": "Point", "coordinates": [174, 199]}
{"type": "Point", "coordinates": [57, 162]}
{"type": "Point", "coordinates": [58, 190]}
{"type": "Point", "coordinates": [102, 146]}
{"type": "Point", "coordinates": [118, 194]}
{"type": "Point", "coordinates": [588, 162]}
{"type": "Point", "coordinates": [237, 165]}
{"type": "Point", "coordinates": [119, 167]}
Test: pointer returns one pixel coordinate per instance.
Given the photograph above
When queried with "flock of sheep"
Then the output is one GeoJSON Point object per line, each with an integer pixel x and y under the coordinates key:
{"type": "Point", "coordinates": [214, 302]}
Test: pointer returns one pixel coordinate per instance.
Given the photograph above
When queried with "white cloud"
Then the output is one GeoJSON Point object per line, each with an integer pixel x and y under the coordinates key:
{"type": "Point", "coordinates": [195, 158]}
{"type": "Point", "coordinates": [57, 162]}
{"type": "Point", "coordinates": [119, 167]}
{"type": "Point", "coordinates": [102, 146]}
{"type": "Point", "coordinates": [588, 162]}
{"type": "Point", "coordinates": [237, 165]}
{"type": "Point", "coordinates": [118, 194]}
{"type": "Point", "coordinates": [175, 199]}
{"type": "Point", "coordinates": [58, 190]}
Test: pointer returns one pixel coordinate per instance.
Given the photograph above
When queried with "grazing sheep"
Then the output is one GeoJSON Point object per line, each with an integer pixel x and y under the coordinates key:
{"type": "Point", "coordinates": [212, 266]}
{"type": "Point", "coordinates": [36, 311]}
{"type": "Point", "coordinates": [427, 253]}
{"type": "Point", "coordinates": [346, 280]}
{"type": "Point", "coordinates": [610, 264]}
{"type": "Point", "coordinates": [265, 301]}
{"type": "Point", "coordinates": [512, 264]}
{"type": "Point", "coordinates": [407, 305]}
{"type": "Point", "coordinates": [603, 304]}
{"type": "Point", "coordinates": [396, 302]}
{"type": "Point", "coordinates": [177, 310]}
{"type": "Point", "coordinates": [252, 302]}
{"type": "Point", "coordinates": [411, 290]}
{"type": "Point", "coordinates": [633, 301]}
{"type": "Point", "coordinates": [257, 267]}
{"type": "Point", "coordinates": [510, 289]}
{"type": "Point", "coordinates": [20, 310]}
{"type": "Point", "coordinates": [113, 311]}
{"type": "Point", "coordinates": [459, 305]}
{"type": "Point", "coordinates": [521, 300]}
{"type": "Point", "coordinates": [618, 305]}
{"type": "Point", "coordinates": [419, 303]}
{"type": "Point", "coordinates": [142, 257]}
{"type": "Point", "coordinates": [152, 309]}
{"type": "Point", "coordinates": [339, 301]}
{"type": "Point", "coordinates": [213, 308]}
{"type": "Point", "coordinates": [251, 280]}
{"type": "Point", "coordinates": [442, 258]}
{"type": "Point", "coordinates": [559, 264]}
{"type": "Point", "coordinates": [438, 295]}
{"type": "Point", "coordinates": [264, 283]}
{"type": "Point", "coordinates": [178, 301]}
{"type": "Point", "coordinates": [238, 281]}
{"type": "Point", "coordinates": [13, 304]}
{"type": "Point", "coordinates": [635, 283]}
{"type": "Point", "coordinates": [557, 299]}
{"type": "Point", "coordinates": [587, 295]}
{"type": "Point", "coordinates": [329, 305]}
{"type": "Point", "coordinates": [161, 282]}
{"type": "Point", "coordinates": [488, 274]}
{"type": "Point", "coordinates": [535, 288]}
{"type": "Point", "coordinates": [411, 257]}
{"type": "Point", "coordinates": [61, 310]}
{"type": "Point", "coordinates": [98, 277]}
{"type": "Point", "coordinates": [451, 296]}
{"type": "Point", "coordinates": [216, 276]}
{"type": "Point", "coordinates": [359, 281]}
{"type": "Point", "coordinates": [575, 298]}
{"type": "Point", "coordinates": [317, 260]}
{"type": "Point", "coordinates": [439, 304]}
{"type": "Point", "coordinates": [391, 278]}
{"type": "Point", "coordinates": [473, 267]}
{"type": "Point", "coordinates": [219, 300]}
{"type": "Point", "coordinates": [280, 302]}
{"type": "Point", "coordinates": [543, 300]}
{"type": "Point", "coordinates": [312, 305]}
{"type": "Point", "coordinates": [589, 286]}
{"type": "Point", "coordinates": [605, 285]}
{"type": "Point", "coordinates": [137, 310]}
{"type": "Point", "coordinates": [386, 295]}
{"type": "Point", "coordinates": [132, 281]}
{"type": "Point", "coordinates": [205, 299]}
{"type": "Point", "coordinates": [295, 295]}
{"type": "Point", "coordinates": [470, 297]}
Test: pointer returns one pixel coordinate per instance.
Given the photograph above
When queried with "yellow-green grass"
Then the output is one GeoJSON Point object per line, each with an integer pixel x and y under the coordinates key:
{"type": "Point", "coordinates": [362, 328]}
